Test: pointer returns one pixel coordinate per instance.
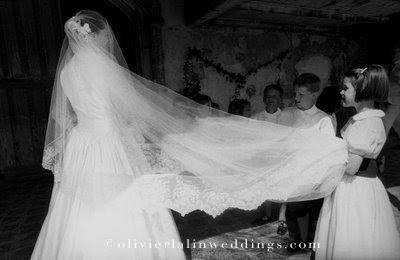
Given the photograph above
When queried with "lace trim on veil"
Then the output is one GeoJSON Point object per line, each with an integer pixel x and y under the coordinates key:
{"type": "Point", "coordinates": [182, 194]}
{"type": "Point", "coordinates": [51, 163]}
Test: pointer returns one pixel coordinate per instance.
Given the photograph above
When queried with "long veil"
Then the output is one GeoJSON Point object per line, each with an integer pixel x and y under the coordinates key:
{"type": "Point", "coordinates": [190, 156]}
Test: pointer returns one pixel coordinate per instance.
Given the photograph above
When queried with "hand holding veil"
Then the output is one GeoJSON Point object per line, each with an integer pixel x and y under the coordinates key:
{"type": "Point", "coordinates": [183, 156]}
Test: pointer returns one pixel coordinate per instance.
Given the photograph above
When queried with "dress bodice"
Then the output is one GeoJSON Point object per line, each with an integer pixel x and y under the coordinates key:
{"type": "Point", "coordinates": [88, 100]}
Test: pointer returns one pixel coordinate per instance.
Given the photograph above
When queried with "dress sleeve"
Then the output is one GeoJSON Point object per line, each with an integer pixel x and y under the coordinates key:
{"type": "Point", "coordinates": [366, 137]}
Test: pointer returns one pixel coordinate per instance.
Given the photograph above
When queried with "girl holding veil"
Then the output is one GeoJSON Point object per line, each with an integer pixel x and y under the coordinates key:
{"type": "Point", "coordinates": [123, 151]}
{"type": "Point", "coordinates": [357, 220]}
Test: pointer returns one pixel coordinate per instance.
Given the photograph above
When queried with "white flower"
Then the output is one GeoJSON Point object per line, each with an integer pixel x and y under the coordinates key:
{"type": "Point", "coordinates": [86, 28]}
{"type": "Point", "coordinates": [82, 31]}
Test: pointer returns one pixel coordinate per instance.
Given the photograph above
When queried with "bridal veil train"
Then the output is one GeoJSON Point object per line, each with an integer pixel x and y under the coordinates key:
{"type": "Point", "coordinates": [124, 150]}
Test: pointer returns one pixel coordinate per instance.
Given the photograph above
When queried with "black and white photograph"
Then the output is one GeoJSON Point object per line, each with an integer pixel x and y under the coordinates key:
{"type": "Point", "coordinates": [199, 129]}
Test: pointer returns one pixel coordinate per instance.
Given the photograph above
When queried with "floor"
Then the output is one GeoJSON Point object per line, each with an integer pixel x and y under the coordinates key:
{"type": "Point", "coordinates": [24, 202]}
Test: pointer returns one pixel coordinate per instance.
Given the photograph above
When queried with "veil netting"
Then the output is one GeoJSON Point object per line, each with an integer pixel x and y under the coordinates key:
{"type": "Point", "coordinates": [182, 155]}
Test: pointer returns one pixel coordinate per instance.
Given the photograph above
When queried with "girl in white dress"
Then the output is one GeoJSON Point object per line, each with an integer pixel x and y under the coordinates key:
{"type": "Point", "coordinates": [357, 221]}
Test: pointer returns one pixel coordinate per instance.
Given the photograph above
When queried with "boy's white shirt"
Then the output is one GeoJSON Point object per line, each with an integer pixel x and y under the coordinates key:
{"type": "Point", "coordinates": [265, 116]}
{"type": "Point", "coordinates": [311, 118]}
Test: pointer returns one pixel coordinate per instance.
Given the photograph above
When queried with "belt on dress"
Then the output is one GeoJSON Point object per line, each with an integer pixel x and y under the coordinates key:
{"type": "Point", "coordinates": [362, 172]}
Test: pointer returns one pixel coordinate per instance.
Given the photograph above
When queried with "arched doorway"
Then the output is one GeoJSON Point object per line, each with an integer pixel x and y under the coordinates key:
{"type": "Point", "coordinates": [134, 27]}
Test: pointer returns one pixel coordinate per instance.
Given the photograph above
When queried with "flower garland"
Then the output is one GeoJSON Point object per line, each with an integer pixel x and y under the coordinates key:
{"type": "Point", "coordinates": [192, 80]}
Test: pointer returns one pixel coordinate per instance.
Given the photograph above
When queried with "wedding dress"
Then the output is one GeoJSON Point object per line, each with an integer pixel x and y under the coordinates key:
{"type": "Point", "coordinates": [123, 149]}
{"type": "Point", "coordinates": [83, 222]}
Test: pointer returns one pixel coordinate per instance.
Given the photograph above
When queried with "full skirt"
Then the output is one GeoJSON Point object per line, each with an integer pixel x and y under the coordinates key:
{"type": "Point", "coordinates": [357, 222]}
{"type": "Point", "coordinates": [86, 217]}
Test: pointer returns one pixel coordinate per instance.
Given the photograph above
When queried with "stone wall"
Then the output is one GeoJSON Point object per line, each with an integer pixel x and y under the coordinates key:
{"type": "Point", "coordinates": [226, 62]}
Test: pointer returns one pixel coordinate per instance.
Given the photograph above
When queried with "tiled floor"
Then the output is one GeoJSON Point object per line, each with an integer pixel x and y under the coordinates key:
{"type": "Point", "coordinates": [260, 242]}
{"type": "Point", "coordinates": [24, 202]}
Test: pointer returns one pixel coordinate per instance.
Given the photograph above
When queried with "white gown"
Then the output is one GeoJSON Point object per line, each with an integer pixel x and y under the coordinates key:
{"type": "Point", "coordinates": [86, 222]}
{"type": "Point", "coordinates": [356, 220]}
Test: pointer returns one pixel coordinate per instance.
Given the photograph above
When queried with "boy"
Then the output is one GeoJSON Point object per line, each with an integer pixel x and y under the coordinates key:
{"type": "Point", "coordinates": [305, 115]}
{"type": "Point", "coordinates": [272, 99]}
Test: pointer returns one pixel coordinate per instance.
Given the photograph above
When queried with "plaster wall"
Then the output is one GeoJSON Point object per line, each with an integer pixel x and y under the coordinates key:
{"type": "Point", "coordinates": [271, 55]}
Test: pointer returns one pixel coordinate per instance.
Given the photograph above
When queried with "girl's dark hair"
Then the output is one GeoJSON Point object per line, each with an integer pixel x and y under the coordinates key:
{"type": "Point", "coordinates": [215, 105]}
{"type": "Point", "coordinates": [236, 107]}
{"type": "Point", "coordinates": [370, 83]}
{"type": "Point", "coordinates": [202, 99]}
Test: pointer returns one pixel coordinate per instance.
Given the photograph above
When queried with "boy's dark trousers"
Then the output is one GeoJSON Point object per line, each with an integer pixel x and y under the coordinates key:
{"type": "Point", "coordinates": [300, 209]}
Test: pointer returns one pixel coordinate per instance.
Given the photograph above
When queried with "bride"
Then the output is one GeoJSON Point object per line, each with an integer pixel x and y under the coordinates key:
{"type": "Point", "coordinates": [125, 150]}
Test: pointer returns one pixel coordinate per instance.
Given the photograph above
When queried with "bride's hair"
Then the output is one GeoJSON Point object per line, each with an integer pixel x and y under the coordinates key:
{"type": "Point", "coordinates": [95, 21]}
{"type": "Point", "coordinates": [91, 28]}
